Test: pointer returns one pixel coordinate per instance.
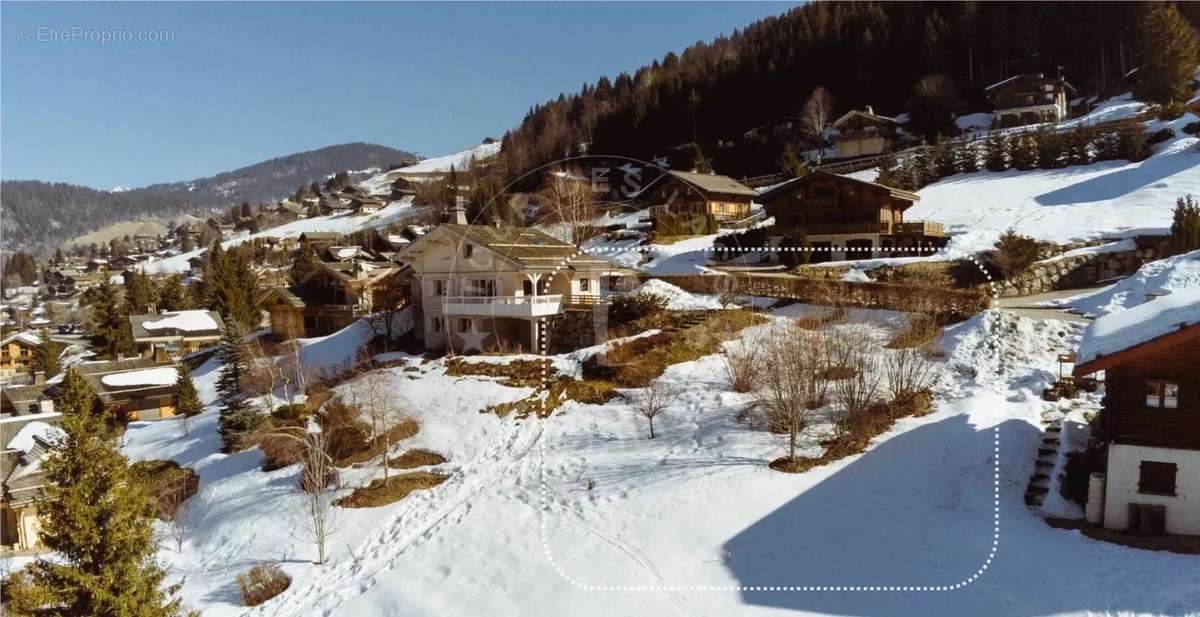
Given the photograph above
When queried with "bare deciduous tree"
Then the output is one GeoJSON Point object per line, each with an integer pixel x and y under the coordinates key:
{"type": "Point", "coordinates": [653, 400]}
{"type": "Point", "coordinates": [909, 371]}
{"type": "Point", "coordinates": [741, 361]}
{"type": "Point", "coordinates": [855, 354]}
{"type": "Point", "coordinates": [569, 203]}
{"type": "Point", "coordinates": [372, 396]}
{"type": "Point", "coordinates": [791, 385]}
{"type": "Point", "coordinates": [816, 116]}
{"type": "Point", "coordinates": [176, 501]}
{"type": "Point", "coordinates": [319, 481]}
{"type": "Point", "coordinates": [388, 300]}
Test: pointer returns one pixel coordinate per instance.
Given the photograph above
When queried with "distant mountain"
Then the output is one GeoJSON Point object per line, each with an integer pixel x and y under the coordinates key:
{"type": "Point", "coordinates": [38, 216]}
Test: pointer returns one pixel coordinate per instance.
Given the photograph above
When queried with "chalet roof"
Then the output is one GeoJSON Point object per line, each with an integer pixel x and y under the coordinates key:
{"type": "Point", "coordinates": [1119, 337]}
{"type": "Point", "coordinates": [1033, 77]}
{"type": "Point", "coordinates": [866, 115]}
{"type": "Point", "coordinates": [21, 396]}
{"type": "Point", "coordinates": [29, 339]}
{"type": "Point", "coordinates": [186, 324]}
{"type": "Point", "coordinates": [525, 247]}
{"type": "Point", "coordinates": [707, 183]}
{"type": "Point", "coordinates": [321, 236]}
{"type": "Point", "coordinates": [794, 182]}
{"type": "Point", "coordinates": [111, 391]}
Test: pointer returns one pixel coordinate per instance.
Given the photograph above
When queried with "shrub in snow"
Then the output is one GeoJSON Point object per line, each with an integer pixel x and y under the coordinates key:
{"type": "Point", "coordinates": [1015, 252]}
{"type": "Point", "coordinates": [1191, 128]}
{"type": "Point", "coordinates": [624, 309]}
{"type": "Point", "coordinates": [261, 583]}
{"type": "Point", "coordinates": [1159, 136]}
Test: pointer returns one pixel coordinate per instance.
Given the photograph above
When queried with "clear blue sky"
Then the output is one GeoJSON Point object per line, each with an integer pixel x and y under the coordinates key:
{"type": "Point", "coordinates": [240, 83]}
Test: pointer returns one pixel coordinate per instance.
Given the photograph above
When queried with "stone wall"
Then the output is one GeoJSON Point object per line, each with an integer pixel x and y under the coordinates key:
{"type": "Point", "coordinates": [577, 327]}
{"type": "Point", "coordinates": [1084, 270]}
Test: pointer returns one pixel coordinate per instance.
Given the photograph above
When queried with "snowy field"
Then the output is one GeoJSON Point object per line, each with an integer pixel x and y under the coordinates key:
{"type": "Point", "coordinates": [580, 514]}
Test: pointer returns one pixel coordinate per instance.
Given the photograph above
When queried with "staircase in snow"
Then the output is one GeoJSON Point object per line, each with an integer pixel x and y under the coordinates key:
{"type": "Point", "coordinates": [1047, 458]}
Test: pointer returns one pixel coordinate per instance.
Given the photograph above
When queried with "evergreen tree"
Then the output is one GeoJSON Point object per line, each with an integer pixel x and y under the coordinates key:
{"type": "Point", "coordinates": [172, 295]}
{"type": "Point", "coordinates": [96, 522]}
{"type": "Point", "coordinates": [1024, 152]}
{"type": "Point", "coordinates": [967, 157]}
{"type": "Point", "coordinates": [45, 357]}
{"type": "Point", "coordinates": [888, 172]}
{"type": "Point", "coordinates": [305, 262]}
{"type": "Point", "coordinates": [109, 321]}
{"type": "Point", "coordinates": [1131, 141]}
{"type": "Point", "coordinates": [996, 154]}
{"type": "Point", "coordinates": [1185, 225]}
{"type": "Point", "coordinates": [943, 162]}
{"type": "Point", "coordinates": [1079, 146]}
{"type": "Point", "coordinates": [187, 399]}
{"type": "Point", "coordinates": [140, 294]}
{"type": "Point", "coordinates": [238, 418]}
{"type": "Point", "coordinates": [1051, 150]}
{"type": "Point", "coordinates": [1171, 50]}
{"type": "Point", "coordinates": [229, 284]}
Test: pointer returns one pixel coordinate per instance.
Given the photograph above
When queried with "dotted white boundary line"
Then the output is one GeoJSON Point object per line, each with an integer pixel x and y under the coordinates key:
{"type": "Point", "coordinates": [544, 492]}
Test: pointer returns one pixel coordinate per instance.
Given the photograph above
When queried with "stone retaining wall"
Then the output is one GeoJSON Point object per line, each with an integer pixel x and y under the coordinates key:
{"type": "Point", "coordinates": [577, 327]}
{"type": "Point", "coordinates": [1084, 270]}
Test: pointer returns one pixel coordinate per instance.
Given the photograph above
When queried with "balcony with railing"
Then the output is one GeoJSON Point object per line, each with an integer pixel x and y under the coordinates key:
{"type": "Point", "coordinates": [523, 307]}
{"type": "Point", "coordinates": [921, 228]}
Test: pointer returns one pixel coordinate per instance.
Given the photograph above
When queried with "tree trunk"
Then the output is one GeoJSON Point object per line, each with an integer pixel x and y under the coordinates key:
{"type": "Point", "coordinates": [651, 427]}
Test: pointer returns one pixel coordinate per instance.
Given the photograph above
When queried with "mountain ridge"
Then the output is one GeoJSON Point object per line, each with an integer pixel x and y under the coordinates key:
{"type": "Point", "coordinates": [38, 215]}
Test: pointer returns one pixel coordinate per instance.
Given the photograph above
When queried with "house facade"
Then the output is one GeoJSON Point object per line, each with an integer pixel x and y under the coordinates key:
{"type": "Point", "coordinates": [16, 355]}
{"type": "Point", "coordinates": [1029, 99]}
{"type": "Point", "coordinates": [863, 133]}
{"type": "Point", "coordinates": [845, 218]}
{"type": "Point", "coordinates": [478, 287]}
{"type": "Point", "coordinates": [22, 481]}
{"type": "Point", "coordinates": [334, 295]}
{"type": "Point", "coordinates": [678, 192]}
{"type": "Point", "coordinates": [1149, 354]}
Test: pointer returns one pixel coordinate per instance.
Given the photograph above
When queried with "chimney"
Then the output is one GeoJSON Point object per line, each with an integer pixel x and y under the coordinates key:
{"type": "Point", "coordinates": [458, 214]}
{"type": "Point", "coordinates": [870, 110]}
{"type": "Point", "coordinates": [39, 378]}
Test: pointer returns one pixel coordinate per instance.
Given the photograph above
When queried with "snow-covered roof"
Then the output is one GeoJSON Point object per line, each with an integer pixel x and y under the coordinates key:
{"type": "Point", "coordinates": [158, 376]}
{"type": "Point", "coordinates": [183, 320]}
{"type": "Point", "coordinates": [27, 338]}
{"type": "Point", "coordinates": [1141, 324]}
{"type": "Point", "coordinates": [24, 439]}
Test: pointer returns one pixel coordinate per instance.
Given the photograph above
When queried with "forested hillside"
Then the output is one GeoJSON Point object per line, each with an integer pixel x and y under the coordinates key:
{"type": "Point", "coordinates": [39, 215]}
{"type": "Point", "coordinates": [864, 53]}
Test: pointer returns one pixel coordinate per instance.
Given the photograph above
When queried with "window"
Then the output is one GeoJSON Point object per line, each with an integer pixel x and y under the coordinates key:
{"type": "Point", "coordinates": [439, 288]}
{"type": "Point", "coordinates": [438, 324]}
{"type": "Point", "coordinates": [464, 325]}
{"type": "Point", "coordinates": [479, 287]}
{"type": "Point", "coordinates": [468, 250]}
{"type": "Point", "coordinates": [585, 284]}
{"type": "Point", "coordinates": [1155, 478]}
{"type": "Point", "coordinates": [1162, 394]}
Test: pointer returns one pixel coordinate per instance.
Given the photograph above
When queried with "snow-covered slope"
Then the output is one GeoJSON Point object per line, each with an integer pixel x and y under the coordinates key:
{"type": "Point", "coordinates": [1113, 198]}
{"type": "Point", "coordinates": [1159, 277]}
{"type": "Point", "coordinates": [581, 514]}
{"type": "Point", "coordinates": [341, 223]}
{"type": "Point", "coordinates": [458, 160]}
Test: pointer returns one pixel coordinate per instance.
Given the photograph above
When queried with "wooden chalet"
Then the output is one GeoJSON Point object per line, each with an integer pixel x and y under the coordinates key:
{"type": "Point", "coordinates": [333, 296]}
{"type": "Point", "coordinates": [1029, 99]}
{"type": "Point", "coordinates": [1149, 356]}
{"type": "Point", "coordinates": [16, 355]}
{"type": "Point", "coordinates": [180, 332]}
{"type": "Point", "coordinates": [864, 133]}
{"type": "Point", "coordinates": [320, 240]}
{"type": "Point", "coordinates": [697, 193]}
{"type": "Point", "coordinates": [845, 218]}
{"type": "Point", "coordinates": [26, 444]}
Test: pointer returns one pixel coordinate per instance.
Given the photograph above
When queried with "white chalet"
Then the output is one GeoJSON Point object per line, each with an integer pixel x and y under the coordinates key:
{"type": "Point", "coordinates": [477, 287]}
